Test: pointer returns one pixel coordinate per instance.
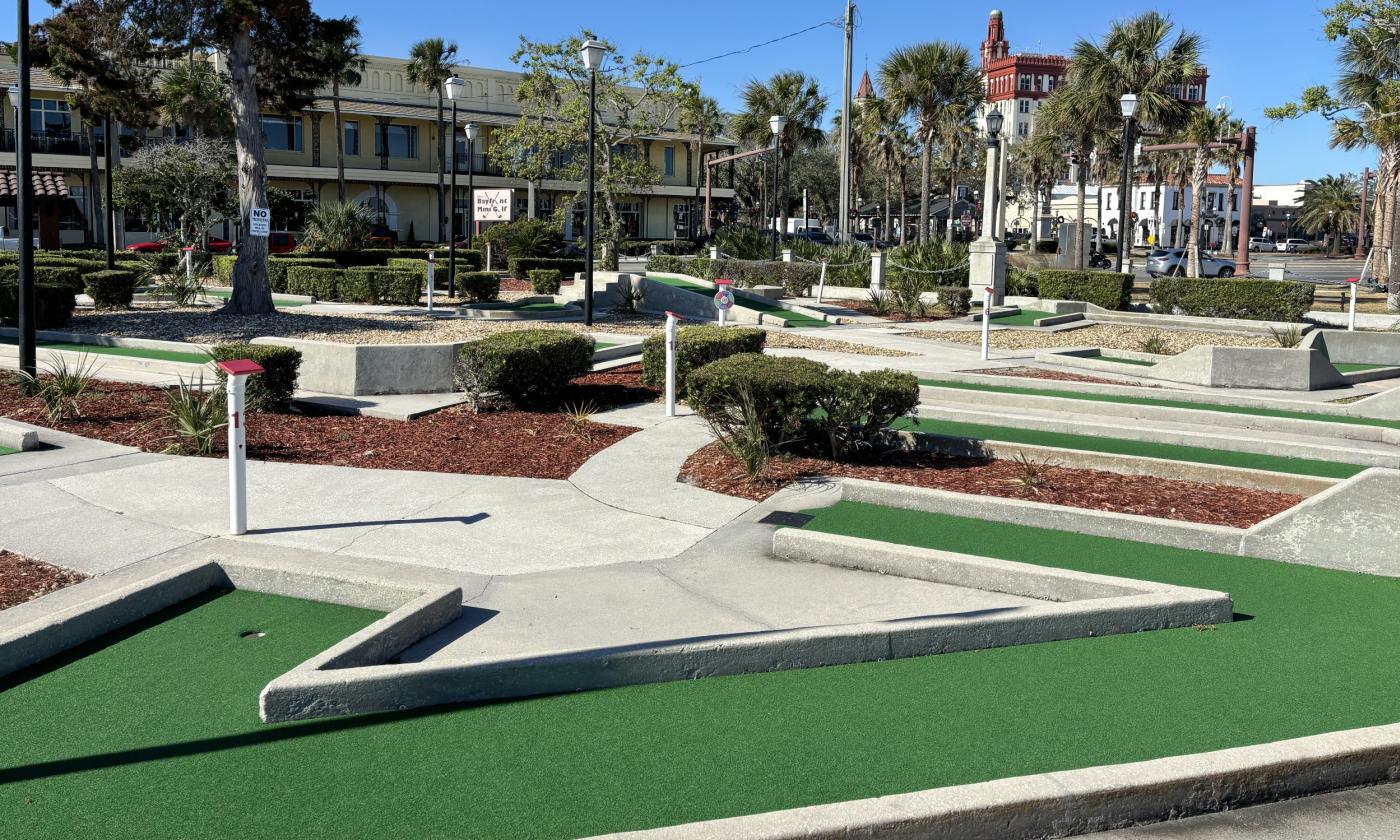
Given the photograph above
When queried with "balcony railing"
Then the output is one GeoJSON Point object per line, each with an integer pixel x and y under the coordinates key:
{"type": "Point", "coordinates": [67, 143]}
{"type": "Point", "coordinates": [480, 165]}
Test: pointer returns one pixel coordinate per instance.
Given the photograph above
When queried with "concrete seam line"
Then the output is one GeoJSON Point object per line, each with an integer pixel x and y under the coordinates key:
{"type": "Point", "coordinates": [1067, 802]}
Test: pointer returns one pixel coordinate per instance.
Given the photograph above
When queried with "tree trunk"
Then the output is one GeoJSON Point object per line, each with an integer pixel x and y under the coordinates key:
{"type": "Point", "coordinates": [1080, 200]}
{"type": "Point", "coordinates": [443, 141]}
{"type": "Point", "coordinates": [885, 229]}
{"type": "Point", "coordinates": [952, 184]}
{"type": "Point", "coordinates": [926, 181]}
{"type": "Point", "coordinates": [339, 143]}
{"type": "Point", "coordinates": [1157, 209]}
{"type": "Point", "coordinates": [94, 193]}
{"type": "Point", "coordinates": [903, 206]}
{"type": "Point", "coordinates": [251, 293]}
{"type": "Point", "coordinates": [1227, 241]}
{"type": "Point", "coordinates": [1193, 239]}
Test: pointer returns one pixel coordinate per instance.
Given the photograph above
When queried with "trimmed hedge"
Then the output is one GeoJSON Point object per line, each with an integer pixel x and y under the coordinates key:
{"type": "Point", "coordinates": [277, 268]}
{"type": "Point", "coordinates": [223, 268]}
{"type": "Point", "coordinates": [696, 346]}
{"type": "Point", "coordinates": [479, 286]}
{"type": "Point", "coordinates": [1108, 289]}
{"type": "Point", "coordinates": [68, 278]}
{"type": "Point", "coordinates": [83, 266]}
{"type": "Point", "coordinates": [797, 279]}
{"type": "Point", "coordinates": [525, 367]}
{"type": "Point", "coordinates": [318, 282]}
{"type": "Point", "coordinates": [545, 281]}
{"type": "Point", "coordinates": [110, 289]}
{"type": "Point", "coordinates": [53, 305]}
{"type": "Point", "coordinates": [1230, 297]}
{"type": "Point", "coordinates": [271, 390]}
{"type": "Point", "coordinates": [520, 267]}
{"type": "Point", "coordinates": [380, 285]}
{"type": "Point", "coordinates": [667, 264]}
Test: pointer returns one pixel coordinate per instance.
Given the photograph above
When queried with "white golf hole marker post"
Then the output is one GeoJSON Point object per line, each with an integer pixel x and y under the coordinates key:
{"type": "Point", "coordinates": [429, 271]}
{"type": "Point", "coordinates": [1351, 313]}
{"type": "Point", "coordinates": [724, 298]}
{"type": "Point", "coordinates": [238, 371]}
{"type": "Point", "coordinates": [821, 281]}
{"type": "Point", "coordinates": [672, 320]}
{"type": "Point", "coordinates": [987, 322]}
{"type": "Point", "coordinates": [189, 261]}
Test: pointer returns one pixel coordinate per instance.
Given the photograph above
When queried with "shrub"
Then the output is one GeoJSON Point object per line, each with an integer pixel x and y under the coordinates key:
{"type": "Point", "coordinates": [784, 389]}
{"type": "Point", "coordinates": [520, 267]}
{"type": "Point", "coordinates": [525, 367]}
{"type": "Point", "coordinates": [744, 243]}
{"type": "Point", "coordinates": [479, 286]}
{"type": "Point", "coordinates": [1107, 289]}
{"type": "Point", "coordinates": [317, 282]}
{"type": "Point", "coordinates": [1230, 297]}
{"type": "Point", "coordinates": [223, 268]}
{"type": "Point", "coordinates": [110, 289]}
{"type": "Point", "coordinates": [937, 263]}
{"type": "Point", "coordinates": [44, 275]}
{"type": "Point", "coordinates": [60, 385]}
{"type": "Point", "coordinates": [797, 279]}
{"type": "Point", "coordinates": [546, 281]}
{"type": "Point", "coordinates": [523, 238]}
{"type": "Point", "coordinates": [847, 265]}
{"type": "Point", "coordinates": [1020, 281]}
{"type": "Point", "coordinates": [83, 266]}
{"type": "Point", "coordinates": [53, 305]}
{"type": "Point", "coordinates": [955, 300]}
{"type": "Point", "coordinates": [856, 409]}
{"type": "Point", "coordinates": [196, 415]}
{"type": "Point", "coordinates": [376, 285]}
{"type": "Point", "coordinates": [696, 346]}
{"type": "Point", "coordinates": [418, 265]}
{"type": "Point", "coordinates": [642, 247]}
{"type": "Point", "coordinates": [668, 264]}
{"type": "Point", "coordinates": [271, 390]}
{"type": "Point", "coordinates": [336, 227]}
{"type": "Point", "coordinates": [277, 268]}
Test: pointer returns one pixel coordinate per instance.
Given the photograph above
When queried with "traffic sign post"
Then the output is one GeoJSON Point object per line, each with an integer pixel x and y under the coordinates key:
{"type": "Point", "coordinates": [724, 298]}
{"type": "Point", "coordinates": [1351, 315]}
{"type": "Point", "coordinates": [672, 320]}
{"type": "Point", "coordinates": [987, 323]}
{"type": "Point", "coordinates": [238, 371]}
{"type": "Point", "coordinates": [429, 270]}
{"type": "Point", "coordinates": [259, 221]}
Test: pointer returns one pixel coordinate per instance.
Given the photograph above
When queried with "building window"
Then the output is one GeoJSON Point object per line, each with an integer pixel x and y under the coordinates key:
{"type": "Point", "coordinates": [1025, 82]}
{"type": "Point", "coordinates": [1025, 106]}
{"type": "Point", "coordinates": [1023, 129]}
{"type": "Point", "coordinates": [352, 137]}
{"type": "Point", "coordinates": [629, 214]}
{"type": "Point", "coordinates": [281, 134]}
{"type": "Point", "coordinates": [1176, 201]}
{"type": "Point", "coordinates": [73, 213]}
{"type": "Point", "coordinates": [668, 158]}
{"type": "Point", "coordinates": [402, 141]}
{"type": "Point", "coordinates": [1156, 199]}
{"type": "Point", "coordinates": [1142, 201]}
{"type": "Point", "coordinates": [49, 116]}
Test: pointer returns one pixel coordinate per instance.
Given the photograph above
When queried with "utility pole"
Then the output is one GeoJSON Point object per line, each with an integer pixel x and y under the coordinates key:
{"type": "Point", "coordinates": [843, 223]}
{"type": "Point", "coordinates": [24, 199]}
{"type": "Point", "coordinates": [1359, 252]}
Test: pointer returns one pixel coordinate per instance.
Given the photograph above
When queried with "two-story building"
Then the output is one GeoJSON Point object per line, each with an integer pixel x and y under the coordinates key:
{"type": "Point", "coordinates": [391, 145]}
{"type": "Point", "coordinates": [1166, 220]}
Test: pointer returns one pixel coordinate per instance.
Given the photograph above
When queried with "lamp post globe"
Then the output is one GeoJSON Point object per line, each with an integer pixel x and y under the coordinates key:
{"type": "Point", "coordinates": [994, 120]}
{"type": "Point", "coordinates": [592, 52]}
{"type": "Point", "coordinates": [776, 124]}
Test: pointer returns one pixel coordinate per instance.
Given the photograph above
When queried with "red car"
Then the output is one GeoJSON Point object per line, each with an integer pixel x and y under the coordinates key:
{"type": "Point", "coordinates": [278, 243]}
{"type": "Point", "coordinates": [215, 246]}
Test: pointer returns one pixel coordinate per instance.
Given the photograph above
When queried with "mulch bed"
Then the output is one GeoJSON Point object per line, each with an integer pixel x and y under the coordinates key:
{"type": "Point", "coordinates": [533, 444]}
{"type": "Point", "coordinates": [1057, 375]}
{"type": "Point", "coordinates": [23, 579]}
{"type": "Point", "coordinates": [1188, 501]}
{"type": "Point", "coordinates": [867, 308]}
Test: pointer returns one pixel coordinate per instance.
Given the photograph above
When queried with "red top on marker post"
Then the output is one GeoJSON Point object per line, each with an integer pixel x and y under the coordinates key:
{"type": "Point", "coordinates": [240, 367]}
{"type": "Point", "coordinates": [723, 282]}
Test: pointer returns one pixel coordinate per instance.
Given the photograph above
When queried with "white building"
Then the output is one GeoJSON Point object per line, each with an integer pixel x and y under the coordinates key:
{"type": "Point", "coordinates": [1167, 221]}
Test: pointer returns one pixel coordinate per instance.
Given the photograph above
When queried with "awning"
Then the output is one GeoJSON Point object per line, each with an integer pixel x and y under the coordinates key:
{"type": "Point", "coordinates": [46, 185]}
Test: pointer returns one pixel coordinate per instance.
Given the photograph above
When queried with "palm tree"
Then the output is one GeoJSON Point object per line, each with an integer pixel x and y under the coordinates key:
{"type": "Point", "coordinates": [888, 143]}
{"type": "Point", "coordinates": [957, 136]}
{"type": "Point", "coordinates": [341, 51]}
{"type": "Point", "coordinates": [1079, 113]}
{"type": "Point", "coordinates": [193, 95]}
{"type": "Point", "coordinates": [1035, 165]}
{"type": "Point", "coordinates": [1204, 127]}
{"type": "Point", "coordinates": [430, 63]}
{"type": "Point", "coordinates": [789, 94]}
{"type": "Point", "coordinates": [932, 82]}
{"type": "Point", "coordinates": [699, 115]}
{"type": "Point", "coordinates": [1330, 206]}
{"type": "Point", "coordinates": [1232, 158]}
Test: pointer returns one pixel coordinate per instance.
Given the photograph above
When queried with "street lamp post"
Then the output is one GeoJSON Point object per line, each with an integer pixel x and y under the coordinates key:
{"type": "Point", "coordinates": [987, 254]}
{"type": "Point", "coordinates": [776, 124]}
{"type": "Point", "coordinates": [470, 130]}
{"type": "Point", "coordinates": [454, 86]}
{"type": "Point", "coordinates": [593, 53]}
{"type": "Point", "coordinates": [24, 203]}
{"type": "Point", "coordinates": [1128, 104]}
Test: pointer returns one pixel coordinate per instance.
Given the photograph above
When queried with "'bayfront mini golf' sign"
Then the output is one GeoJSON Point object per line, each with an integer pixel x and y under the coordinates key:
{"type": "Point", "coordinates": [492, 206]}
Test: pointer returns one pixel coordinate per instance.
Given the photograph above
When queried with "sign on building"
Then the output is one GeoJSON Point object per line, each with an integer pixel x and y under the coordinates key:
{"type": "Point", "coordinates": [492, 206]}
{"type": "Point", "coordinates": [259, 221]}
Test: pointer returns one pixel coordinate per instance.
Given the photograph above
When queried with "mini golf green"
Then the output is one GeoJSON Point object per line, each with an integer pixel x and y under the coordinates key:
{"type": "Point", "coordinates": [792, 319]}
{"type": "Point", "coordinates": [1120, 446]}
{"type": "Point", "coordinates": [1354, 367]}
{"type": "Point", "coordinates": [132, 352]}
{"type": "Point", "coordinates": [1257, 411]}
{"type": "Point", "coordinates": [277, 300]}
{"type": "Point", "coordinates": [1024, 318]}
{"type": "Point", "coordinates": [1124, 361]}
{"type": "Point", "coordinates": [5, 450]}
{"type": "Point", "coordinates": [540, 307]}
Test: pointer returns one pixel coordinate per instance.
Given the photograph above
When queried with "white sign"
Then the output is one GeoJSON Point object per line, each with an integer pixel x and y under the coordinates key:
{"type": "Point", "coordinates": [259, 221]}
{"type": "Point", "coordinates": [492, 206]}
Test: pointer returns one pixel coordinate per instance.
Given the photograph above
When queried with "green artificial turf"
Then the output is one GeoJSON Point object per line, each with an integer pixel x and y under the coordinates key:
{"type": "Point", "coordinates": [277, 300]}
{"type": "Point", "coordinates": [792, 319]}
{"type": "Point", "coordinates": [1024, 318]}
{"type": "Point", "coordinates": [1124, 361]}
{"type": "Point", "coordinates": [1257, 411]}
{"type": "Point", "coordinates": [603, 345]}
{"type": "Point", "coordinates": [540, 307]}
{"type": "Point", "coordinates": [5, 450]}
{"type": "Point", "coordinates": [1354, 367]}
{"type": "Point", "coordinates": [1119, 446]}
{"type": "Point", "coordinates": [132, 352]}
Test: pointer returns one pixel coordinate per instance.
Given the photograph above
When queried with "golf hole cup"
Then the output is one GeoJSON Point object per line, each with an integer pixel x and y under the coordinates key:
{"type": "Point", "coordinates": [238, 371]}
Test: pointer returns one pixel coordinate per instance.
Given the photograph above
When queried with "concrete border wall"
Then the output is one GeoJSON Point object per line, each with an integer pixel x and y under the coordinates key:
{"type": "Point", "coordinates": [16, 436]}
{"type": "Point", "coordinates": [353, 370]}
{"type": "Point", "coordinates": [1361, 348]}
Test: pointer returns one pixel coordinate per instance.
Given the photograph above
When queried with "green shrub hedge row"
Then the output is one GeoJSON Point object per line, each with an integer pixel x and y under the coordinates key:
{"type": "Point", "coordinates": [526, 367]}
{"type": "Point", "coordinates": [545, 281]}
{"type": "Point", "coordinates": [479, 286]}
{"type": "Point", "coordinates": [796, 278]}
{"type": "Point", "coordinates": [520, 267]}
{"type": "Point", "coordinates": [271, 390]}
{"type": "Point", "coordinates": [46, 275]}
{"type": "Point", "coordinates": [1229, 297]}
{"type": "Point", "coordinates": [696, 346]}
{"type": "Point", "coordinates": [668, 264]}
{"type": "Point", "coordinates": [110, 289]}
{"type": "Point", "coordinates": [380, 285]}
{"type": "Point", "coordinates": [1108, 289]}
{"type": "Point", "coordinates": [53, 305]}
{"type": "Point", "coordinates": [319, 282]}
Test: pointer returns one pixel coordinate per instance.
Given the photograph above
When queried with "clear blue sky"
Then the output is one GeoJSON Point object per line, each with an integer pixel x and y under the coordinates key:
{"type": "Point", "coordinates": [1277, 52]}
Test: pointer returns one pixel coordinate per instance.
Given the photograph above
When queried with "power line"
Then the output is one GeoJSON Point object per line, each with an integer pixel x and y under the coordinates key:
{"type": "Point", "coordinates": [764, 44]}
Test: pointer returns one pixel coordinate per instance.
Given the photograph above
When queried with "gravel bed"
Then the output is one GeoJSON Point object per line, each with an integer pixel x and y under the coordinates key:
{"type": "Point", "coordinates": [1107, 336]}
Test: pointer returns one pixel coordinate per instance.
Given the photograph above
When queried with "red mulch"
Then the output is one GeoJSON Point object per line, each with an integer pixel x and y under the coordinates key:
{"type": "Point", "coordinates": [1060, 376]}
{"type": "Point", "coordinates": [510, 284]}
{"type": "Point", "coordinates": [22, 579]}
{"type": "Point", "coordinates": [533, 444]}
{"type": "Point", "coordinates": [864, 306]}
{"type": "Point", "coordinates": [1189, 501]}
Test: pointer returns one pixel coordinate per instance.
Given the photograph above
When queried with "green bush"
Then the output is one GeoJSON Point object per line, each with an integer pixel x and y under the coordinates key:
{"type": "Point", "coordinates": [223, 268]}
{"type": "Point", "coordinates": [856, 409]}
{"type": "Point", "coordinates": [797, 279]}
{"type": "Point", "coordinates": [784, 389]}
{"type": "Point", "coordinates": [523, 238]}
{"type": "Point", "coordinates": [642, 247]}
{"type": "Point", "coordinates": [937, 263]}
{"type": "Point", "coordinates": [418, 265]}
{"type": "Point", "coordinates": [53, 305]}
{"type": "Point", "coordinates": [1229, 297]}
{"type": "Point", "coordinates": [545, 281]}
{"type": "Point", "coordinates": [110, 289]}
{"type": "Point", "coordinates": [83, 266]}
{"type": "Point", "coordinates": [1108, 289]}
{"type": "Point", "coordinates": [277, 268]}
{"type": "Point", "coordinates": [271, 390]}
{"type": "Point", "coordinates": [68, 278]}
{"type": "Point", "coordinates": [317, 282]}
{"type": "Point", "coordinates": [1020, 281]}
{"type": "Point", "coordinates": [847, 265]}
{"type": "Point", "coordinates": [479, 286]}
{"type": "Point", "coordinates": [955, 300]}
{"type": "Point", "coordinates": [520, 267]}
{"type": "Point", "coordinates": [380, 285]}
{"type": "Point", "coordinates": [668, 264]}
{"type": "Point", "coordinates": [696, 346]}
{"type": "Point", "coordinates": [526, 367]}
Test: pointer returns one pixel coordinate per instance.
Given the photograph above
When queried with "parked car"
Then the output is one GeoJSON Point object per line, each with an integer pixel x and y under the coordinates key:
{"type": "Point", "coordinates": [1296, 246]}
{"type": "Point", "coordinates": [1261, 243]}
{"type": "Point", "coordinates": [277, 243]}
{"type": "Point", "coordinates": [213, 246]}
{"type": "Point", "coordinates": [820, 237]}
{"type": "Point", "coordinates": [1172, 262]}
{"type": "Point", "coordinates": [147, 247]}
{"type": "Point", "coordinates": [870, 241]}
{"type": "Point", "coordinates": [381, 236]}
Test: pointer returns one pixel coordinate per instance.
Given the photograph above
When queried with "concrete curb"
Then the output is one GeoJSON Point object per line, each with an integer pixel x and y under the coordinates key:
{"type": "Point", "coordinates": [18, 437]}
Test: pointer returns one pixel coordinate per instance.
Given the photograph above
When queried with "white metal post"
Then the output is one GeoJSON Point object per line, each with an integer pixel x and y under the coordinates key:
{"type": "Point", "coordinates": [430, 271]}
{"type": "Point", "coordinates": [987, 323]}
{"type": "Point", "coordinates": [821, 281]}
{"type": "Point", "coordinates": [1351, 314]}
{"type": "Point", "coordinates": [672, 319]}
{"type": "Point", "coordinates": [237, 458]}
{"type": "Point", "coordinates": [189, 263]}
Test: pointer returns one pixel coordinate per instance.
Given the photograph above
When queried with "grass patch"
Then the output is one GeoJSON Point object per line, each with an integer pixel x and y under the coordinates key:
{"type": "Point", "coordinates": [131, 352]}
{"type": "Point", "coordinates": [1257, 411]}
{"type": "Point", "coordinates": [1355, 367]}
{"type": "Point", "coordinates": [1024, 318]}
{"type": "Point", "coordinates": [540, 307]}
{"type": "Point", "coordinates": [1118, 446]}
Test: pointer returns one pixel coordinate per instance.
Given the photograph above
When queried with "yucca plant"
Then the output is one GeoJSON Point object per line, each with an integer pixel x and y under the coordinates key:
{"type": "Point", "coordinates": [196, 415]}
{"type": "Point", "coordinates": [1154, 344]}
{"type": "Point", "coordinates": [579, 415]}
{"type": "Point", "coordinates": [61, 385]}
{"type": "Point", "coordinates": [1289, 337]}
{"type": "Point", "coordinates": [337, 227]}
{"type": "Point", "coordinates": [741, 434]}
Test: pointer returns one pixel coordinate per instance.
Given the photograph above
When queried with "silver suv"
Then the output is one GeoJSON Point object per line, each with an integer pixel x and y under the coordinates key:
{"type": "Point", "coordinates": [1172, 262]}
